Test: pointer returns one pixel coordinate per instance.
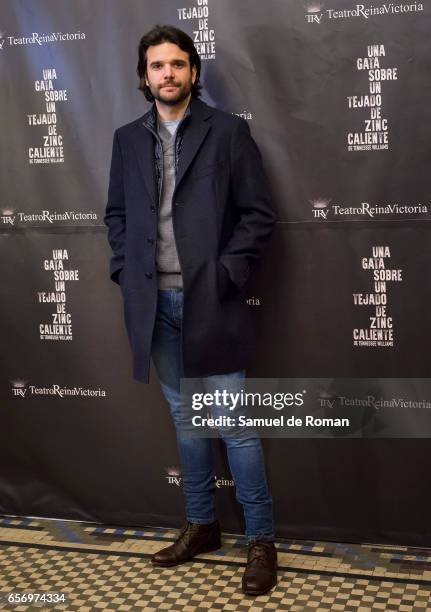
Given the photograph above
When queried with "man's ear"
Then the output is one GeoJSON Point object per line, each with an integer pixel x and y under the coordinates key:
{"type": "Point", "coordinates": [194, 73]}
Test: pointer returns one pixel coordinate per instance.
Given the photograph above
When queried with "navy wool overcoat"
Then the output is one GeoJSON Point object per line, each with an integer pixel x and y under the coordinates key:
{"type": "Point", "coordinates": [222, 219]}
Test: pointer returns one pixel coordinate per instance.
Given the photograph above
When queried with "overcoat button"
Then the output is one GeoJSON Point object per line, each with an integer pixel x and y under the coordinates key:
{"type": "Point", "coordinates": [148, 275]}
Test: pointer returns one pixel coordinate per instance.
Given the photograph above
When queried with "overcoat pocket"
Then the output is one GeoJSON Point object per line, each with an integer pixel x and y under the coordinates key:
{"type": "Point", "coordinates": [208, 169]}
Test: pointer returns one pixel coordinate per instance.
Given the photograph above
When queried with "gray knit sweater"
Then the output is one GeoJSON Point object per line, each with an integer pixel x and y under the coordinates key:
{"type": "Point", "coordinates": [168, 265]}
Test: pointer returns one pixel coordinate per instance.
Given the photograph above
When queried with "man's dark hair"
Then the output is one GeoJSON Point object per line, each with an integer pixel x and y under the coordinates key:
{"type": "Point", "coordinates": [156, 36]}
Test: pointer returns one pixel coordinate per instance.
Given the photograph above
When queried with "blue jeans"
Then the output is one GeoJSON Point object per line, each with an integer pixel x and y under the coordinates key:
{"type": "Point", "coordinates": [245, 454]}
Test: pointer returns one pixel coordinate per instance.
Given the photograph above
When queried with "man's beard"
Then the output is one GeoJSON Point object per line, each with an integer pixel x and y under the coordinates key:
{"type": "Point", "coordinates": [182, 94]}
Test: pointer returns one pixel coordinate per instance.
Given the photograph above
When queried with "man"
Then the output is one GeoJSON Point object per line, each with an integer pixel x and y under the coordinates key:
{"type": "Point", "coordinates": [189, 215]}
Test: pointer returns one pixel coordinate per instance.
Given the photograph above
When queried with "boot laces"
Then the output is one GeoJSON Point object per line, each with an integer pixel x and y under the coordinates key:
{"type": "Point", "coordinates": [258, 555]}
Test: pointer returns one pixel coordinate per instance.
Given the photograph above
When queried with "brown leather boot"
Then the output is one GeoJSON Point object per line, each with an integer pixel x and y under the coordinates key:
{"type": "Point", "coordinates": [192, 540]}
{"type": "Point", "coordinates": [261, 572]}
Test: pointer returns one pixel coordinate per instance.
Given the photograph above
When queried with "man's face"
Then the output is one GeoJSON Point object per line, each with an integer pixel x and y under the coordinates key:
{"type": "Point", "coordinates": [168, 73]}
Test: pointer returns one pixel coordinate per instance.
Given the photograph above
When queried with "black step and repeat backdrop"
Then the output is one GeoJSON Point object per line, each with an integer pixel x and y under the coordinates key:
{"type": "Point", "coordinates": [337, 95]}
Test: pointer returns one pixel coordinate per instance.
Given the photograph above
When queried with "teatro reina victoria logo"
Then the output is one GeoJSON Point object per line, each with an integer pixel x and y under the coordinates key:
{"type": "Point", "coordinates": [173, 476]}
{"type": "Point", "coordinates": [315, 10]}
{"type": "Point", "coordinates": [19, 387]}
{"type": "Point", "coordinates": [11, 218]}
{"type": "Point", "coordinates": [37, 38]}
{"type": "Point", "coordinates": [323, 209]}
{"type": "Point", "coordinates": [22, 388]}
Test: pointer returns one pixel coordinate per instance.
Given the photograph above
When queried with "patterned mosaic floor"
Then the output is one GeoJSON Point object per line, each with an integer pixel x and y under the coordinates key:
{"type": "Point", "coordinates": [108, 568]}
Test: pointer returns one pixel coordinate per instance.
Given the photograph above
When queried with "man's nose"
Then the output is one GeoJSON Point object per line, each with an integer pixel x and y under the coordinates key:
{"type": "Point", "coordinates": [168, 70]}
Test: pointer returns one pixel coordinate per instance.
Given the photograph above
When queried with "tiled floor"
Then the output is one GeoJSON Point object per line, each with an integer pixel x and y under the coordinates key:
{"type": "Point", "coordinates": [108, 568]}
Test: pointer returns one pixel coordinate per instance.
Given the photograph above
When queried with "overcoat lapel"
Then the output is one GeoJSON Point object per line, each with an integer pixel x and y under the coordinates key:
{"type": "Point", "coordinates": [143, 144]}
{"type": "Point", "coordinates": [194, 135]}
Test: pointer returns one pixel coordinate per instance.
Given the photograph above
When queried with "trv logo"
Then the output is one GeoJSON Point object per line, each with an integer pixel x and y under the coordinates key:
{"type": "Point", "coordinates": [370, 401]}
{"type": "Point", "coordinates": [174, 478]}
{"type": "Point", "coordinates": [320, 208]}
{"type": "Point", "coordinates": [19, 388]}
{"type": "Point", "coordinates": [7, 217]}
{"type": "Point", "coordinates": [2, 40]}
{"type": "Point", "coordinates": [313, 12]}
